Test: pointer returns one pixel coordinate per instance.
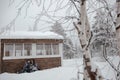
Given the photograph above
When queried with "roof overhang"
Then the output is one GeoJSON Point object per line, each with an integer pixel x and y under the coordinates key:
{"type": "Point", "coordinates": [31, 35]}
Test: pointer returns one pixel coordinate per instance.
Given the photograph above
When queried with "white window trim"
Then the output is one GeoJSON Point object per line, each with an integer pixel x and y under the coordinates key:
{"type": "Point", "coordinates": [4, 50]}
{"type": "Point", "coordinates": [27, 57]}
{"type": "Point", "coordinates": [60, 48]}
{"type": "Point", "coordinates": [61, 51]}
{"type": "Point", "coordinates": [44, 53]}
{"type": "Point", "coordinates": [52, 49]}
{"type": "Point", "coordinates": [33, 49]}
{"type": "Point", "coordinates": [14, 50]}
{"type": "Point", "coordinates": [33, 56]}
{"type": "Point", "coordinates": [23, 50]}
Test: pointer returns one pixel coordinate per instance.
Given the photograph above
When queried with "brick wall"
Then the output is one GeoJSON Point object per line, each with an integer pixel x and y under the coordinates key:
{"type": "Point", "coordinates": [15, 65]}
{"type": "Point", "coordinates": [31, 41]}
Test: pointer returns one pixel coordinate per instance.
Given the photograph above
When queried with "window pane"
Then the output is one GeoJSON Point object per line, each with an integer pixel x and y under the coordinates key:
{"type": "Point", "coordinates": [18, 49]}
{"type": "Point", "coordinates": [27, 49]}
{"type": "Point", "coordinates": [48, 49]}
{"type": "Point", "coordinates": [8, 49]}
{"type": "Point", "coordinates": [55, 49]}
{"type": "Point", "coordinates": [39, 49]}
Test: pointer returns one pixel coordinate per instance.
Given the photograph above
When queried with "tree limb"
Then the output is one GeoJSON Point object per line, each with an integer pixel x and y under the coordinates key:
{"type": "Point", "coordinates": [75, 7]}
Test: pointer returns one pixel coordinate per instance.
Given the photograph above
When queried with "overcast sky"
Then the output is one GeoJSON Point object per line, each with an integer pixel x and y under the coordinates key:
{"type": "Point", "coordinates": [27, 18]}
{"type": "Point", "coordinates": [8, 12]}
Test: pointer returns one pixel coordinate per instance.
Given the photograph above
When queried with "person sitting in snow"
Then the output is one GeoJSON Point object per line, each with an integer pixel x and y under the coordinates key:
{"type": "Point", "coordinates": [34, 66]}
{"type": "Point", "coordinates": [27, 66]}
{"type": "Point", "coordinates": [30, 66]}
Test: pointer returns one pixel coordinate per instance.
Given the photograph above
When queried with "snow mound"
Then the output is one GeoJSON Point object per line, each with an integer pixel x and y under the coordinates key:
{"type": "Point", "coordinates": [67, 72]}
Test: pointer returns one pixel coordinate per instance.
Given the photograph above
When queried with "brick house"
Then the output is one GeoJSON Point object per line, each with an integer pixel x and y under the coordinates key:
{"type": "Point", "coordinates": [17, 47]}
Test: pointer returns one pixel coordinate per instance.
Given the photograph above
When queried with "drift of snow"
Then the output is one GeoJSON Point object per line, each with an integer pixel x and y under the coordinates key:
{"type": "Point", "coordinates": [30, 35]}
{"type": "Point", "coordinates": [67, 72]}
{"type": "Point", "coordinates": [104, 68]}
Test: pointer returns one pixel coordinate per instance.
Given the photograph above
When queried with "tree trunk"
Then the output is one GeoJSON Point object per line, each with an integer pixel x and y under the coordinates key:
{"type": "Point", "coordinates": [118, 24]}
{"type": "Point", "coordinates": [84, 40]}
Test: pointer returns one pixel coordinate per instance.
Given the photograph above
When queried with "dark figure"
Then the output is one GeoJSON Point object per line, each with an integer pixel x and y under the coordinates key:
{"type": "Point", "coordinates": [34, 66]}
{"type": "Point", "coordinates": [30, 66]}
{"type": "Point", "coordinates": [27, 66]}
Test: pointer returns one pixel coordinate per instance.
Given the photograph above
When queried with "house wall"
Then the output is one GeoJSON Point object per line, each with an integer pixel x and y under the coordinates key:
{"type": "Point", "coordinates": [30, 41]}
{"type": "Point", "coordinates": [14, 65]}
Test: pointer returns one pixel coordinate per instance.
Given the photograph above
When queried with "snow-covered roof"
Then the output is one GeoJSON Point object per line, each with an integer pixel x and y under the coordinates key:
{"type": "Point", "coordinates": [30, 35]}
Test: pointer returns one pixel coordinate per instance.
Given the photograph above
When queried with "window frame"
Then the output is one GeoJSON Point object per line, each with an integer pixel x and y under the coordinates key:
{"type": "Point", "coordinates": [21, 50]}
{"type": "Point", "coordinates": [44, 55]}
{"type": "Point", "coordinates": [5, 49]}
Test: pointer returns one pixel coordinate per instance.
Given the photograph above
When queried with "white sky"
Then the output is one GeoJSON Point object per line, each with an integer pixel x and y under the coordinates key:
{"type": "Point", "coordinates": [24, 21]}
{"type": "Point", "coordinates": [8, 13]}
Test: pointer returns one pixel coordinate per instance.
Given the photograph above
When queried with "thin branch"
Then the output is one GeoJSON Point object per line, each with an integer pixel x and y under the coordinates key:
{"type": "Point", "coordinates": [76, 7]}
{"type": "Point", "coordinates": [28, 5]}
{"type": "Point", "coordinates": [76, 28]}
{"type": "Point", "coordinates": [105, 57]}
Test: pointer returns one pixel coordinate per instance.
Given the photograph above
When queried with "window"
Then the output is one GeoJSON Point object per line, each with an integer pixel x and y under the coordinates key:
{"type": "Point", "coordinates": [48, 49]}
{"type": "Point", "coordinates": [30, 50]}
{"type": "Point", "coordinates": [18, 49]}
{"type": "Point", "coordinates": [27, 49]}
{"type": "Point", "coordinates": [39, 49]}
{"type": "Point", "coordinates": [55, 49]}
{"type": "Point", "coordinates": [8, 50]}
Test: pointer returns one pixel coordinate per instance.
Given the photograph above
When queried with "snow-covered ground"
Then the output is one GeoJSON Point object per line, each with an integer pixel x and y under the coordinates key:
{"type": "Point", "coordinates": [68, 71]}
{"type": "Point", "coordinates": [107, 72]}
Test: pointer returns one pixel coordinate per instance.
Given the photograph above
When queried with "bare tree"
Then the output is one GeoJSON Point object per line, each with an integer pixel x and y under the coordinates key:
{"type": "Point", "coordinates": [104, 40]}
{"type": "Point", "coordinates": [68, 48]}
{"type": "Point", "coordinates": [84, 34]}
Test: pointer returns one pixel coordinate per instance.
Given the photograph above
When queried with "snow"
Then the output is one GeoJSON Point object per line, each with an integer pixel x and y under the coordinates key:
{"type": "Point", "coordinates": [104, 68]}
{"type": "Point", "coordinates": [68, 71]}
{"type": "Point", "coordinates": [51, 74]}
{"type": "Point", "coordinates": [30, 35]}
